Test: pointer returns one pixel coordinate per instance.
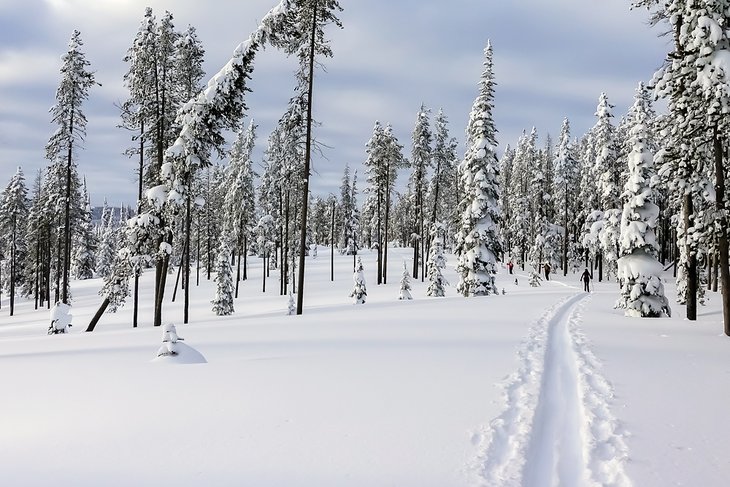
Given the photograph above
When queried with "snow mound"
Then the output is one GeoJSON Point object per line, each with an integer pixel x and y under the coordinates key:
{"type": "Point", "coordinates": [174, 351]}
{"type": "Point", "coordinates": [185, 355]}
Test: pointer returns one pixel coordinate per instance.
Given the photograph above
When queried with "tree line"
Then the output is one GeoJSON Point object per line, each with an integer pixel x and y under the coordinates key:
{"type": "Point", "coordinates": [628, 199]}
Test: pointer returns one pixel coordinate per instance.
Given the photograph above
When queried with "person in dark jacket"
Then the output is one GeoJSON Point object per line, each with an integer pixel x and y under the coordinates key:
{"type": "Point", "coordinates": [547, 271]}
{"type": "Point", "coordinates": [586, 278]}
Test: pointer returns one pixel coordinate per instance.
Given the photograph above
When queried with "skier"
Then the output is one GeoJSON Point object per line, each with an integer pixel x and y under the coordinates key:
{"type": "Point", "coordinates": [547, 271]}
{"type": "Point", "coordinates": [510, 266]}
{"type": "Point", "coordinates": [586, 278]}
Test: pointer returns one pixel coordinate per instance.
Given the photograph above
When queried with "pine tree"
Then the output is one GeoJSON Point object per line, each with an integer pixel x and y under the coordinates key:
{"type": "Point", "coordinates": [73, 90]}
{"type": "Point", "coordinates": [239, 193]}
{"type": "Point", "coordinates": [421, 161]}
{"type": "Point", "coordinates": [359, 291]}
{"type": "Point", "coordinates": [436, 262]}
{"type": "Point", "coordinates": [608, 175]}
{"type": "Point", "coordinates": [477, 244]}
{"type": "Point", "coordinates": [383, 160]}
{"type": "Point", "coordinates": [405, 284]}
{"type": "Point", "coordinates": [85, 243]}
{"type": "Point", "coordinates": [565, 188]}
{"type": "Point", "coordinates": [107, 242]}
{"type": "Point", "coordinates": [223, 300]}
{"type": "Point", "coordinates": [13, 218]}
{"type": "Point", "coordinates": [639, 271]}
{"type": "Point", "coordinates": [442, 189]}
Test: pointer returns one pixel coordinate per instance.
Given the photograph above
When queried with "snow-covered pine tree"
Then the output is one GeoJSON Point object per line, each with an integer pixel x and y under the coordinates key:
{"type": "Point", "coordinates": [421, 161]}
{"type": "Point", "coordinates": [107, 242]}
{"type": "Point", "coordinates": [359, 290]}
{"type": "Point", "coordinates": [238, 188]}
{"type": "Point", "coordinates": [477, 243]}
{"type": "Point", "coordinates": [608, 175]}
{"type": "Point", "coordinates": [566, 188]}
{"type": "Point", "coordinates": [383, 160]}
{"type": "Point", "coordinates": [442, 188]}
{"type": "Point", "coordinates": [85, 242]}
{"type": "Point", "coordinates": [202, 122]}
{"type": "Point", "coordinates": [345, 212]}
{"type": "Point", "coordinates": [13, 220]}
{"type": "Point", "coordinates": [506, 164]}
{"type": "Point", "coordinates": [639, 271]}
{"type": "Point", "coordinates": [521, 221]}
{"type": "Point", "coordinates": [436, 262]}
{"type": "Point", "coordinates": [72, 92]}
{"type": "Point", "coordinates": [695, 80]}
{"type": "Point", "coordinates": [405, 284]}
{"type": "Point", "coordinates": [223, 300]}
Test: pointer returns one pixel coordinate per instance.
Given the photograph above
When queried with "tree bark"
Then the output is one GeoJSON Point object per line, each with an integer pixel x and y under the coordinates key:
{"type": "Point", "coordinates": [723, 237]}
{"type": "Point", "coordinates": [307, 159]}
{"type": "Point", "coordinates": [691, 260]}
{"type": "Point", "coordinates": [97, 316]}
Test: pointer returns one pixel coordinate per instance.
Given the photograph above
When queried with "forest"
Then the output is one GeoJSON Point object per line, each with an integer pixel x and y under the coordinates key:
{"type": "Point", "coordinates": [638, 194]}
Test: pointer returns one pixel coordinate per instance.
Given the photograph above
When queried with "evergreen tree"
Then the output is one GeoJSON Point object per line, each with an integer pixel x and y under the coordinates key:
{"type": "Point", "coordinates": [694, 81]}
{"type": "Point", "coordinates": [359, 291]}
{"type": "Point", "coordinates": [223, 300]}
{"type": "Point", "coordinates": [436, 262]}
{"type": "Point", "coordinates": [107, 242]}
{"type": "Point", "coordinates": [345, 212]}
{"type": "Point", "coordinates": [477, 244]}
{"type": "Point", "coordinates": [642, 291]}
{"type": "Point", "coordinates": [85, 243]}
{"type": "Point", "coordinates": [384, 158]}
{"type": "Point", "coordinates": [405, 284]}
{"type": "Point", "coordinates": [13, 218]}
{"type": "Point", "coordinates": [442, 189]}
{"type": "Point", "coordinates": [565, 188]}
{"type": "Point", "coordinates": [73, 90]}
{"type": "Point", "coordinates": [421, 161]}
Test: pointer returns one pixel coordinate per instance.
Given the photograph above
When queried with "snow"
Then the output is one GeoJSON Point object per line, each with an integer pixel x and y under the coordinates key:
{"type": "Point", "coordinates": [541, 386]}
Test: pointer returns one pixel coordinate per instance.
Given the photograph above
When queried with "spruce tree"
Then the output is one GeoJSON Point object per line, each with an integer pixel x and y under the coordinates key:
{"type": "Point", "coordinates": [359, 290]}
{"type": "Point", "coordinates": [436, 262]}
{"type": "Point", "coordinates": [639, 271]}
{"type": "Point", "coordinates": [223, 300]}
{"type": "Point", "coordinates": [405, 284]}
{"type": "Point", "coordinates": [13, 220]}
{"type": "Point", "coordinates": [477, 244]}
{"type": "Point", "coordinates": [85, 243]}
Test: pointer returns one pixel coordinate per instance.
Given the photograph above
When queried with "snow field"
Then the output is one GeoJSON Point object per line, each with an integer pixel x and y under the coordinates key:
{"type": "Point", "coordinates": [386, 393]}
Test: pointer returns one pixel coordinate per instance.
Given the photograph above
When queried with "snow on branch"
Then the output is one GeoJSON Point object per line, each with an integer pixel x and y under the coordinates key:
{"type": "Point", "coordinates": [220, 105]}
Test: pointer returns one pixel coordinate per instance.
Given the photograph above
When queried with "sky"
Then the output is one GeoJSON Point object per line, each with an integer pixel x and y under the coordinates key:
{"type": "Point", "coordinates": [551, 60]}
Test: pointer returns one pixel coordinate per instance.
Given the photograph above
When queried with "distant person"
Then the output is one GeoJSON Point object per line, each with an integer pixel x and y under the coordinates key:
{"type": "Point", "coordinates": [586, 278]}
{"type": "Point", "coordinates": [547, 271]}
{"type": "Point", "coordinates": [510, 266]}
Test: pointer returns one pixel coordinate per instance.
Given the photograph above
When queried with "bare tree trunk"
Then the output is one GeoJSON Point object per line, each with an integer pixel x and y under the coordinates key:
{"type": "Point", "coordinates": [387, 217]}
{"type": "Point", "coordinates": [723, 237]}
{"type": "Point", "coordinates": [332, 244]}
{"type": "Point", "coordinates": [307, 159]}
{"type": "Point", "coordinates": [565, 236]}
{"type": "Point", "coordinates": [687, 211]}
{"type": "Point", "coordinates": [186, 254]}
{"type": "Point", "coordinates": [97, 315]}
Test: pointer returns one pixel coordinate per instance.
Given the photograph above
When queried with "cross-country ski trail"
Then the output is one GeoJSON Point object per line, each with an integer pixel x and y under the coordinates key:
{"type": "Point", "coordinates": [557, 428]}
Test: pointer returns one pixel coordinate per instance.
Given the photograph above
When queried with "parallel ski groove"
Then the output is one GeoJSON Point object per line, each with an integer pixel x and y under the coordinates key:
{"type": "Point", "coordinates": [557, 428]}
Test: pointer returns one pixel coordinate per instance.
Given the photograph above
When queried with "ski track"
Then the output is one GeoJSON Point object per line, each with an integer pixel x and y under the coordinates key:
{"type": "Point", "coordinates": [557, 428]}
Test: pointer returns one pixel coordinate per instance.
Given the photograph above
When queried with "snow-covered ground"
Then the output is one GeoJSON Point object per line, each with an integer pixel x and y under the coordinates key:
{"type": "Point", "coordinates": [538, 387]}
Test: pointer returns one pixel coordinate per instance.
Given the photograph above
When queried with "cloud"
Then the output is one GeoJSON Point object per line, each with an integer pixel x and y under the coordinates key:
{"type": "Point", "coordinates": [552, 59]}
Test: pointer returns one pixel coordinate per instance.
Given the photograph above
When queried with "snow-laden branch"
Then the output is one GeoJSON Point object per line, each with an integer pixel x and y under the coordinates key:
{"type": "Point", "coordinates": [219, 106]}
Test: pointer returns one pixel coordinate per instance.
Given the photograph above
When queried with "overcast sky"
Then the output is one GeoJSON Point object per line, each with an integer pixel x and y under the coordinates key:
{"type": "Point", "coordinates": [552, 60]}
